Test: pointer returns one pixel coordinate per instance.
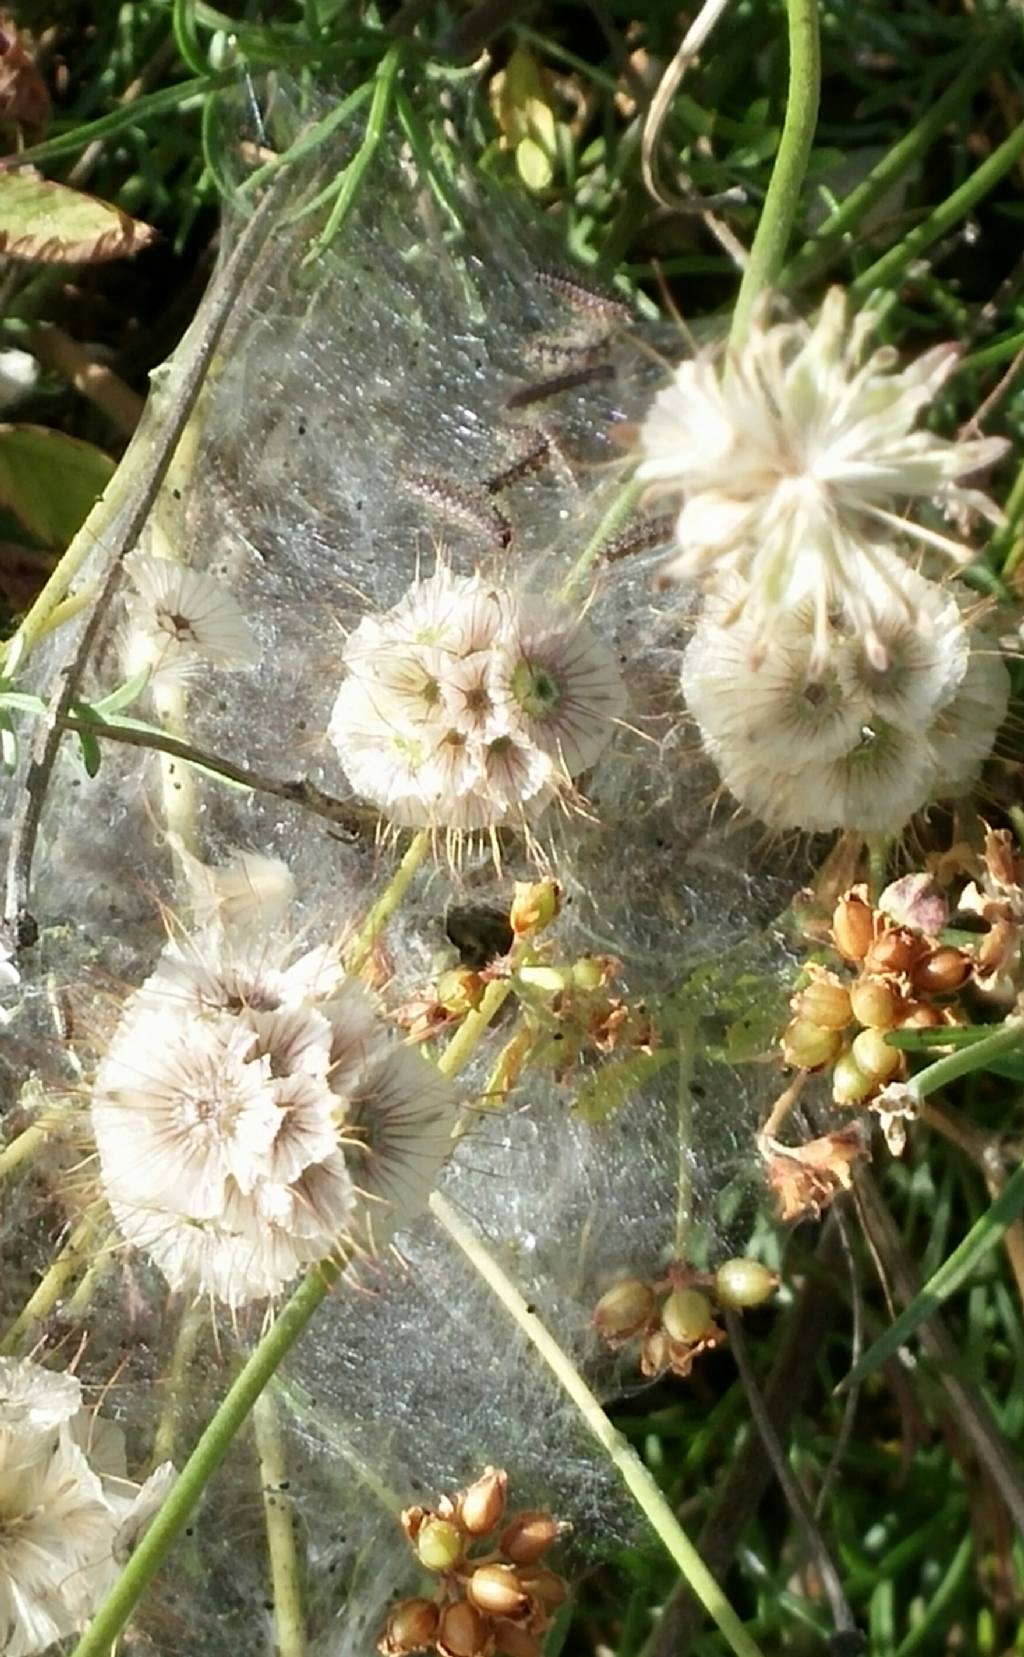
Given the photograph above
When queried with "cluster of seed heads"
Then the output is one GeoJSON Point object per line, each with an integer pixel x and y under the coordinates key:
{"type": "Point", "coordinates": [903, 981]}
{"type": "Point", "coordinates": [495, 1597]}
{"type": "Point", "coordinates": [673, 1318]}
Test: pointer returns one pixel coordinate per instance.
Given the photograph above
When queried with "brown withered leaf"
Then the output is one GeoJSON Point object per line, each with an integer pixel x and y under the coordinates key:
{"type": "Point", "coordinates": [50, 224]}
{"type": "Point", "coordinates": [24, 100]}
{"type": "Point", "coordinates": [807, 1178]}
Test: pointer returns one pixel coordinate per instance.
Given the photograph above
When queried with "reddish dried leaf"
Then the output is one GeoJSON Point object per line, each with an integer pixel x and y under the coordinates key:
{"type": "Point", "coordinates": [24, 99]}
{"type": "Point", "coordinates": [49, 224]}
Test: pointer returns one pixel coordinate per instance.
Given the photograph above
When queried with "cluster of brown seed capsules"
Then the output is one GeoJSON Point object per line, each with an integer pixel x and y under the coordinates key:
{"type": "Point", "coordinates": [901, 976]}
{"type": "Point", "coordinates": [494, 1595]}
{"type": "Point", "coordinates": [674, 1317]}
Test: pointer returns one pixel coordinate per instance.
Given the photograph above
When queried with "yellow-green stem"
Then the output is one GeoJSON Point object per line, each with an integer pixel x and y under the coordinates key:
{"type": "Point", "coordinates": [67, 1264]}
{"type": "Point", "coordinates": [358, 952]}
{"type": "Point", "coordinates": [175, 1383]}
{"type": "Point", "coordinates": [782, 200]}
{"type": "Point", "coordinates": [289, 1623]}
{"type": "Point", "coordinates": [29, 1141]}
{"type": "Point", "coordinates": [636, 1477]}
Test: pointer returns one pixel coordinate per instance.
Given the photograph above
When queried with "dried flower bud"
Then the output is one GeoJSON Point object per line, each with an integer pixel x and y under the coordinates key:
{"type": "Point", "coordinates": [513, 1641]}
{"type": "Point", "coordinates": [440, 1544]}
{"type": "Point", "coordinates": [411, 1627]}
{"type": "Point", "coordinates": [624, 1309]}
{"type": "Point", "coordinates": [460, 990]}
{"type": "Point", "coordinates": [893, 951]}
{"type": "Point", "coordinates": [534, 906]}
{"type": "Point", "coordinates": [741, 1283]}
{"type": "Point", "coordinates": [917, 1015]}
{"type": "Point", "coordinates": [527, 1537]}
{"type": "Point", "coordinates": [942, 972]}
{"type": "Point", "coordinates": [874, 1057]}
{"type": "Point", "coordinates": [464, 1632]}
{"type": "Point", "coordinates": [853, 925]}
{"type": "Point", "coordinates": [808, 1046]}
{"type": "Point", "coordinates": [876, 1003]}
{"type": "Point", "coordinates": [496, 1589]}
{"type": "Point", "coordinates": [686, 1315]}
{"type": "Point", "coordinates": [546, 1587]}
{"type": "Point", "coordinates": [655, 1353]}
{"type": "Point", "coordinates": [850, 1086]}
{"type": "Point", "coordinates": [482, 1505]}
{"type": "Point", "coordinates": [825, 1002]}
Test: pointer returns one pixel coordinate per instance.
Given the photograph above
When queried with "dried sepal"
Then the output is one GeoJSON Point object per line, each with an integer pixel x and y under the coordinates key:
{"type": "Point", "coordinates": [806, 1179]}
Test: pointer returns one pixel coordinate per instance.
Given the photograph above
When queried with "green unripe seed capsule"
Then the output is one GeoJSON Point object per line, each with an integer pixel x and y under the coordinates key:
{"type": "Point", "coordinates": [808, 1046]}
{"type": "Point", "coordinates": [873, 1055]}
{"type": "Point", "coordinates": [624, 1309]}
{"type": "Point", "coordinates": [439, 1544]}
{"type": "Point", "coordinates": [742, 1283]}
{"type": "Point", "coordinates": [850, 1086]}
{"type": "Point", "coordinates": [686, 1315]}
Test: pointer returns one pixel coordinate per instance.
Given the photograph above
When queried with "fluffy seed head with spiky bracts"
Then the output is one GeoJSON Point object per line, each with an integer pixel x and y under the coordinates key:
{"type": "Point", "coordinates": [794, 461]}
{"type": "Point", "coordinates": [468, 706]}
{"type": "Point", "coordinates": [252, 1111]}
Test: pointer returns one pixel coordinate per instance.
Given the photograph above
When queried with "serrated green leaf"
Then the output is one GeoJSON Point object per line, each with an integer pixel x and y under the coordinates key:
{"type": "Point", "coordinates": [49, 223]}
{"type": "Point", "coordinates": [614, 1085]}
{"type": "Point", "coordinates": [50, 481]}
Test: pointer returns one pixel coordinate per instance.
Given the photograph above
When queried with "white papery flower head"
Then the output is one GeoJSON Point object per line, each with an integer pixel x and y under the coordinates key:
{"type": "Point", "coordinates": [469, 706]}
{"type": "Point", "coordinates": [180, 618]}
{"type": "Point", "coordinates": [241, 1114]}
{"type": "Point", "coordinates": [853, 746]}
{"type": "Point", "coordinates": [795, 459]}
{"type": "Point", "coordinates": [68, 1512]}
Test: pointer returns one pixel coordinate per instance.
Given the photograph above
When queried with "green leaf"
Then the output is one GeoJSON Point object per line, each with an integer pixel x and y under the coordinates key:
{"type": "Point", "coordinates": [50, 481]}
{"type": "Point", "coordinates": [120, 698]}
{"type": "Point", "coordinates": [983, 1235]}
{"type": "Point", "coordinates": [49, 224]}
{"type": "Point", "coordinates": [91, 755]}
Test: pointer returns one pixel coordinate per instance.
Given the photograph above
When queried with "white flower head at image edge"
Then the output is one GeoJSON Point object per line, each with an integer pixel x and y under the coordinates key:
{"type": "Point", "coordinates": [253, 1112]}
{"type": "Point", "coordinates": [795, 459]}
{"type": "Point", "coordinates": [178, 619]}
{"type": "Point", "coordinates": [468, 706]}
{"type": "Point", "coordinates": [69, 1515]}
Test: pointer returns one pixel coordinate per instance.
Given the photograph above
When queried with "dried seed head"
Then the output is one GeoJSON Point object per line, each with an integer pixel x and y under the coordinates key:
{"type": "Point", "coordinates": [481, 1506]}
{"type": "Point", "coordinates": [876, 1003]}
{"type": "Point", "coordinates": [850, 1086]}
{"type": "Point", "coordinates": [808, 1046]}
{"type": "Point", "coordinates": [941, 972]}
{"type": "Point", "coordinates": [440, 1544]}
{"type": "Point", "coordinates": [824, 1002]}
{"type": "Point", "coordinates": [464, 1631]}
{"type": "Point", "coordinates": [853, 925]}
{"type": "Point", "coordinates": [894, 951]}
{"type": "Point", "coordinates": [741, 1283]}
{"type": "Point", "coordinates": [874, 1057]}
{"type": "Point", "coordinates": [546, 1587]}
{"type": "Point", "coordinates": [411, 1627]}
{"type": "Point", "coordinates": [511, 1640]}
{"type": "Point", "coordinates": [527, 1537]}
{"type": "Point", "coordinates": [624, 1309]}
{"type": "Point", "coordinates": [686, 1315]}
{"type": "Point", "coordinates": [535, 905]}
{"type": "Point", "coordinates": [496, 1589]}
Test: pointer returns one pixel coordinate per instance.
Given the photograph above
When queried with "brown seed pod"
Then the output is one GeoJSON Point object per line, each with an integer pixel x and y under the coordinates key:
{"type": "Point", "coordinates": [496, 1590]}
{"type": "Point", "coordinates": [917, 1015]}
{"type": "Point", "coordinates": [894, 951]}
{"type": "Point", "coordinates": [853, 925]}
{"type": "Point", "coordinates": [464, 1631]}
{"type": "Point", "coordinates": [527, 1537]}
{"type": "Point", "coordinates": [941, 972]}
{"type": "Point", "coordinates": [874, 1057]}
{"type": "Point", "coordinates": [876, 1003]}
{"type": "Point", "coordinates": [513, 1641]}
{"type": "Point", "coordinates": [824, 1002]}
{"type": "Point", "coordinates": [411, 1627]}
{"type": "Point", "coordinates": [481, 1507]}
{"type": "Point", "coordinates": [546, 1587]}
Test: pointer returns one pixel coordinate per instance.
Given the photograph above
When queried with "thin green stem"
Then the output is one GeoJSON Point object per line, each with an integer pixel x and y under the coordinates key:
{"type": "Point", "coordinates": [358, 952]}
{"type": "Point", "coordinates": [634, 1474]}
{"type": "Point", "coordinates": [818, 250]}
{"type": "Point", "coordinates": [612, 521]}
{"type": "Point", "coordinates": [782, 201]}
{"type": "Point", "coordinates": [67, 1264]}
{"type": "Point", "coordinates": [175, 1385]}
{"type": "Point", "coordinates": [1009, 539]}
{"type": "Point", "coordinates": [976, 1056]}
{"type": "Point", "coordinates": [212, 1447]}
{"type": "Point", "coordinates": [886, 271]}
{"type": "Point", "coordinates": [376, 126]}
